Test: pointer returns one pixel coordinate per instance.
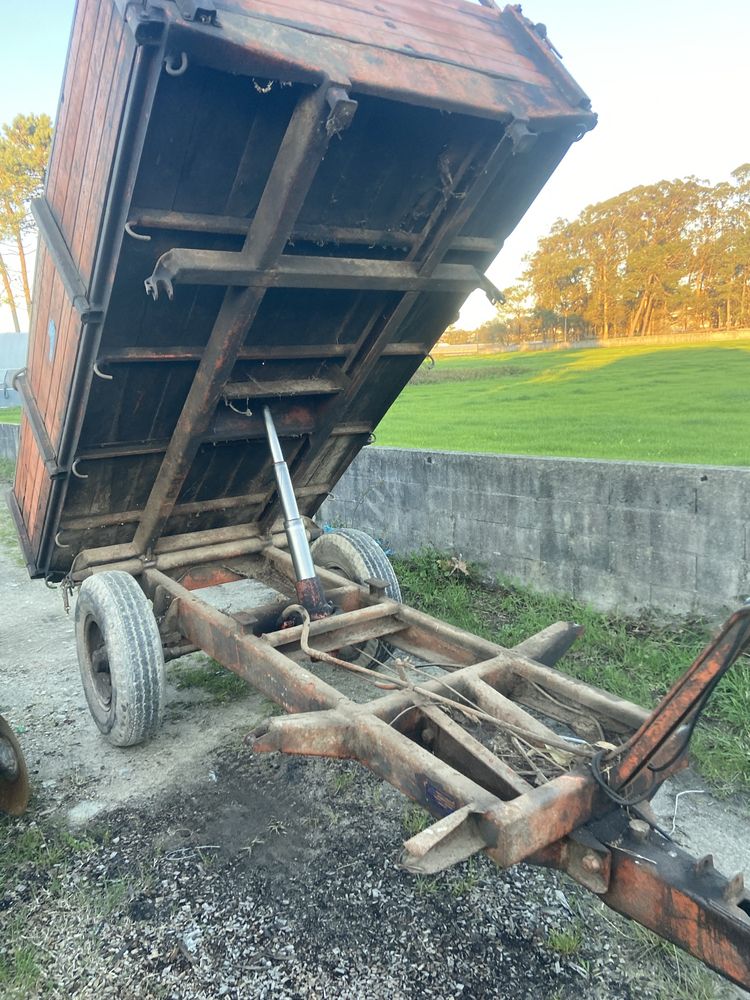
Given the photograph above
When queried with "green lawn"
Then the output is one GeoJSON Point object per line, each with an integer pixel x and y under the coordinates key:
{"type": "Point", "coordinates": [10, 415]}
{"type": "Point", "coordinates": [686, 403]}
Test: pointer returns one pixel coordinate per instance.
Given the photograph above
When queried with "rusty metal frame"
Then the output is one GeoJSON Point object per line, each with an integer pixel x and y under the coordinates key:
{"type": "Point", "coordinates": [592, 821]}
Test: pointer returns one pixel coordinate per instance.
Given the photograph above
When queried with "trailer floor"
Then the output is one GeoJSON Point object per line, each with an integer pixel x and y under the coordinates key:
{"type": "Point", "coordinates": [197, 870]}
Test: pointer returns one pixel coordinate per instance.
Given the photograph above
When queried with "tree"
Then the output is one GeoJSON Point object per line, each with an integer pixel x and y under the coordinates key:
{"type": "Point", "coordinates": [24, 151]}
{"type": "Point", "coordinates": [664, 256]}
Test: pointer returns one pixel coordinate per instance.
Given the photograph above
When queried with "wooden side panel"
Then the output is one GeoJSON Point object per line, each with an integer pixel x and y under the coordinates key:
{"type": "Point", "coordinates": [98, 71]}
{"type": "Point", "coordinates": [101, 57]}
{"type": "Point", "coordinates": [32, 485]}
{"type": "Point", "coordinates": [71, 108]}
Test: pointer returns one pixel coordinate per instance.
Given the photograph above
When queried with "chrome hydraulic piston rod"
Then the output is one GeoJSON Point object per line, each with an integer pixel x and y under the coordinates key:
{"type": "Point", "coordinates": [309, 589]}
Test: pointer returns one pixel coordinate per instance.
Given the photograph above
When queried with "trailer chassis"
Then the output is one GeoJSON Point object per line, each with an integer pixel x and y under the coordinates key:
{"type": "Point", "coordinates": [592, 821]}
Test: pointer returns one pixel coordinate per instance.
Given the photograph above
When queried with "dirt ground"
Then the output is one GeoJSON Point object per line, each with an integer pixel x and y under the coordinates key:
{"type": "Point", "coordinates": [191, 868]}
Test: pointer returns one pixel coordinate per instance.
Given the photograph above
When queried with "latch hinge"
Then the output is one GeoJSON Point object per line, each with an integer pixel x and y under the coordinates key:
{"type": "Point", "coordinates": [198, 11]}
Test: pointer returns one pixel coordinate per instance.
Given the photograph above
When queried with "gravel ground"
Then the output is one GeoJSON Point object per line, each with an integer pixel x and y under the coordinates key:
{"type": "Point", "coordinates": [278, 877]}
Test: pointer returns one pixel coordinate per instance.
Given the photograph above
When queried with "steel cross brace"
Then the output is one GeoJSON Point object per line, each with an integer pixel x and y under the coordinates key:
{"type": "Point", "coordinates": [300, 154]}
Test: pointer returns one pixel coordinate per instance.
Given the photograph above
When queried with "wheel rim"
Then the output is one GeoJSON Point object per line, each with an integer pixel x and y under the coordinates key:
{"type": "Point", "coordinates": [98, 661]}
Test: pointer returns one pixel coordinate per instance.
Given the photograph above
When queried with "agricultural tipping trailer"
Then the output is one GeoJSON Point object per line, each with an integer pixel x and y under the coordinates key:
{"type": "Point", "coordinates": [308, 190]}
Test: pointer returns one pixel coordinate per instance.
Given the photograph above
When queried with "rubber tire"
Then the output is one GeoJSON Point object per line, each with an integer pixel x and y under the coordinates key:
{"type": "Point", "coordinates": [357, 556]}
{"type": "Point", "coordinates": [125, 692]}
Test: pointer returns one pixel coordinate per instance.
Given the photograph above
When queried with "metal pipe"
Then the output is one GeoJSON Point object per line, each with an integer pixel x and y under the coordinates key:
{"type": "Point", "coordinates": [304, 568]}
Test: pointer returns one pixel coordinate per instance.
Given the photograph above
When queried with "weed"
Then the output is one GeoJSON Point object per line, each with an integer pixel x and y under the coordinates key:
{"type": "Point", "coordinates": [415, 819]}
{"type": "Point", "coordinates": [31, 846]}
{"type": "Point", "coordinates": [276, 827]}
{"type": "Point", "coordinates": [112, 897]}
{"type": "Point", "coordinates": [211, 677]}
{"type": "Point", "coordinates": [7, 470]}
{"type": "Point", "coordinates": [19, 970]}
{"type": "Point", "coordinates": [426, 885]}
{"type": "Point", "coordinates": [567, 941]}
{"type": "Point", "coordinates": [255, 842]}
{"type": "Point", "coordinates": [342, 782]}
{"type": "Point", "coordinates": [80, 845]}
{"type": "Point", "coordinates": [463, 883]}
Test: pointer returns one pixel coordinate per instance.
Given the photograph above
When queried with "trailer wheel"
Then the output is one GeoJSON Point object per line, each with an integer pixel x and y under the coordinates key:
{"type": "Point", "coordinates": [357, 556]}
{"type": "Point", "coordinates": [120, 656]}
{"type": "Point", "coordinates": [14, 778]}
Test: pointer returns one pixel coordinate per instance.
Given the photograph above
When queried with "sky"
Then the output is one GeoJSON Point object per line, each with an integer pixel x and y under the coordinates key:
{"type": "Point", "coordinates": [666, 77]}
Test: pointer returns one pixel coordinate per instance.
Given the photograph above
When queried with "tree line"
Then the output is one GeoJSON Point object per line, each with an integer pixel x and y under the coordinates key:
{"type": "Point", "coordinates": [24, 151]}
{"type": "Point", "coordinates": [668, 257]}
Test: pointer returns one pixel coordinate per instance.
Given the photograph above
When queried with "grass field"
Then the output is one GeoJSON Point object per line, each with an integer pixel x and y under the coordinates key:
{"type": "Point", "coordinates": [684, 403]}
{"type": "Point", "coordinates": [10, 415]}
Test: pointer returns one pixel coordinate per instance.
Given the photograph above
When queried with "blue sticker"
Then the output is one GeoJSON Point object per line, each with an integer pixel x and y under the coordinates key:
{"type": "Point", "coordinates": [52, 337]}
{"type": "Point", "coordinates": [442, 802]}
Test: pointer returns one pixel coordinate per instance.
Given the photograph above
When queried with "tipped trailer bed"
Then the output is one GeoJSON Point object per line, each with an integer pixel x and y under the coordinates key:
{"type": "Point", "coordinates": [258, 219]}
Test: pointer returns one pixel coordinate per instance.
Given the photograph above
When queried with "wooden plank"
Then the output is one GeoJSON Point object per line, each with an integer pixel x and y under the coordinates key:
{"type": "Point", "coordinates": [74, 100]}
{"type": "Point", "coordinates": [230, 225]}
{"type": "Point", "coordinates": [69, 79]}
{"type": "Point", "coordinates": [63, 369]}
{"type": "Point", "coordinates": [460, 43]}
{"type": "Point", "coordinates": [58, 315]}
{"type": "Point", "coordinates": [88, 128]}
{"type": "Point", "coordinates": [110, 132]}
{"type": "Point", "coordinates": [256, 389]}
{"type": "Point", "coordinates": [87, 203]}
{"type": "Point", "coordinates": [21, 479]}
{"type": "Point", "coordinates": [38, 343]}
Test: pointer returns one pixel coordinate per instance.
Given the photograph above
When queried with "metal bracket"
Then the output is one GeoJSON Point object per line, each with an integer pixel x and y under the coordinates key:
{"type": "Point", "coordinates": [520, 135]}
{"type": "Point", "coordinates": [65, 266]}
{"type": "Point", "coordinates": [36, 423]}
{"type": "Point", "coordinates": [492, 292]}
{"type": "Point", "coordinates": [227, 267]}
{"type": "Point", "coordinates": [145, 22]}
{"type": "Point", "coordinates": [201, 12]}
{"type": "Point", "coordinates": [343, 109]}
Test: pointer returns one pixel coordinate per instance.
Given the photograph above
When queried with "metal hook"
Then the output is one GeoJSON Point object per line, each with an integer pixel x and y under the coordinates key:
{"type": "Point", "coordinates": [173, 70]}
{"type": "Point", "coordinates": [102, 374]}
{"type": "Point", "coordinates": [76, 473]}
{"type": "Point", "coordinates": [58, 543]}
{"type": "Point", "coordinates": [136, 236]}
{"type": "Point", "coordinates": [247, 412]}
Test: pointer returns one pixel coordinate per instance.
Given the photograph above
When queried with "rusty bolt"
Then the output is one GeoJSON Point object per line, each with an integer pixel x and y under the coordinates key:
{"type": "Point", "coordinates": [591, 863]}
{"type": "Point", "coordinates": [639, 830]}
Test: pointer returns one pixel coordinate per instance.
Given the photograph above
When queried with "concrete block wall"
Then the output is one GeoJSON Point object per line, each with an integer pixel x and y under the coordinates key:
{"type": "Point", "coordinates": [9, 441]}
{"type": "Point", "coordinates": [626, 535]}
